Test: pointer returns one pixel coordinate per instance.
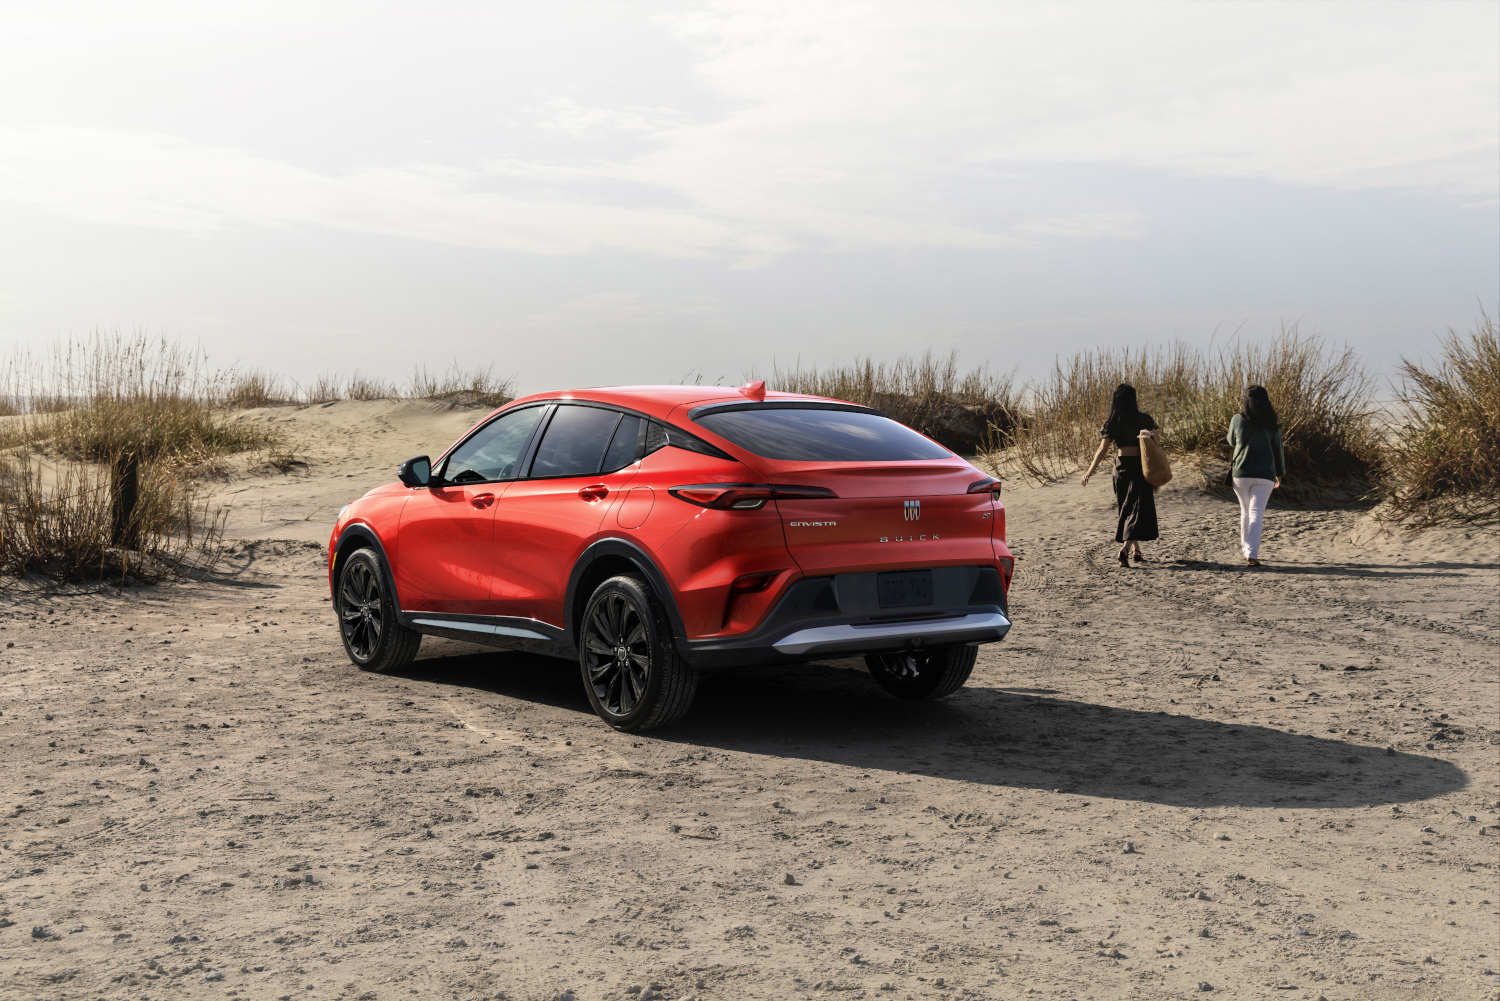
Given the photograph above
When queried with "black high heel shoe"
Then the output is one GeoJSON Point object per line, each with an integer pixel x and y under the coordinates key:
{"type": "Point", "coordinates": [1125, 557]}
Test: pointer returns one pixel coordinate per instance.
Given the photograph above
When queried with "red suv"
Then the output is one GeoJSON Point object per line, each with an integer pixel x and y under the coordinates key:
{"type": "Point", "coordinates": [651, 532]}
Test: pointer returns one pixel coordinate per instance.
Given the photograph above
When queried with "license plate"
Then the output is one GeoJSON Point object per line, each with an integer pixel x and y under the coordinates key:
{"type": "Point", "coordinates": [905, 589]}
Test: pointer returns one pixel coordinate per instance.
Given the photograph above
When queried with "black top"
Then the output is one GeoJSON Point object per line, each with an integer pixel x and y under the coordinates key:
{"type": "Point", "coordinates": [1132, 438]}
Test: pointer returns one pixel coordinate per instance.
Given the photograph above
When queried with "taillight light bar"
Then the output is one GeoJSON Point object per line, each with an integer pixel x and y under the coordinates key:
{"type": "Point", "coordinates": [744, 496]}
{"type": "Point", "coordinates": [988, 485]}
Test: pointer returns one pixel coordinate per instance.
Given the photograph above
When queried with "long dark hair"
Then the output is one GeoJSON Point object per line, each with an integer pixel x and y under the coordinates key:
{"type": "Point", "coordinates": [1256, 410]}
{"type": "Point", "coordinates": [1124, 418]}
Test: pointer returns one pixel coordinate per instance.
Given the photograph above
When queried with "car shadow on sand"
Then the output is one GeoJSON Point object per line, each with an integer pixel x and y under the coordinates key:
{"type": "Point", "coordinates": [996, 737]}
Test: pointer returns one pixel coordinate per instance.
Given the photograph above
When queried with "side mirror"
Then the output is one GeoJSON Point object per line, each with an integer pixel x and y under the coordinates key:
{"type": "Point", "coordinates": [416, 472]}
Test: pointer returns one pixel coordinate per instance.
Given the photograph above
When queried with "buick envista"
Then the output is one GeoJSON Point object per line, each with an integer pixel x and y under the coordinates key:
{"type": "Point", "coordinates": [655, 532]}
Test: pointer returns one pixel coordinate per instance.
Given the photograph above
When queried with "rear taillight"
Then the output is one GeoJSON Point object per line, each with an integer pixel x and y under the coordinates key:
{"type": "Point", "coordinates": [744, 496]}
{"type": "Point", "coordinates": [988, 485]}
{"type": "Point", "coordinates": [1007, 571]}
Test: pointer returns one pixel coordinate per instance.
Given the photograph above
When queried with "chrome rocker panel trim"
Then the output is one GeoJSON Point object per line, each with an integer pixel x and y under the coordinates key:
{"type": "Point", "coordinates": [483, 628]}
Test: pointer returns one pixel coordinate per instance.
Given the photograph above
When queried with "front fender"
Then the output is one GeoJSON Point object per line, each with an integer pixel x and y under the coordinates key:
{"type": "Point", "coordinates": [359, 535]}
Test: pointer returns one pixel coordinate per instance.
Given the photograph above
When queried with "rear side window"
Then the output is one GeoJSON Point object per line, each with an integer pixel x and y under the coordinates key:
{"type": "Point", "coordinates": [821, 435]}
{"type": "Point", "coordinates": [621, 451]}
{"type": "Point", "coordinates": [662, 435]}
{"type": "Point", "coordinates": [574, 443]}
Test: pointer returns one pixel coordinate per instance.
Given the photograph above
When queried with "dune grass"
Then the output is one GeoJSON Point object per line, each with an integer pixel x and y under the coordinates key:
{"type": "Point", "coordinates": [82, 410]}
{"type": "Point", "coordinates": [68, 419]}
{"type": "Point", "coordinates": [473, 386]}
{"type": "Point", "coordinates": [57, 519]}
{"type": "Point", "coordinates": [1321, 394]}
{"type": "Point", "coordinates": [137, 394]}
{"type": "Point", "coordinates": [360, 387]}
{"type": "Point", "coordinates": [323, 389]}
{"type": "Point", "coordinates": [255, 388]}
{"type": "Point", "coordinates": [1445, 449]}
{"type": "Point", "coordinates": [931, 393]}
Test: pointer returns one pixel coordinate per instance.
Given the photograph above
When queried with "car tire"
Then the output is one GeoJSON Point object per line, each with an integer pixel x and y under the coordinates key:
{"type": "Point", "coordinates": [632, 674]}
{"type": "Point", "coordinates": [365, 605]}
{"type": "Point", "coordinates": [923, 674]}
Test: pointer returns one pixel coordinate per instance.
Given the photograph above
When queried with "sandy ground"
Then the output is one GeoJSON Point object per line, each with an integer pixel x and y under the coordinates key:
{"type": "Point", "coordinates": [1183, 779]}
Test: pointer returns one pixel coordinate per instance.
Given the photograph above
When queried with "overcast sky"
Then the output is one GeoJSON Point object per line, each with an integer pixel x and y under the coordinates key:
{"type": "Point", "coordinates": [589, 193]}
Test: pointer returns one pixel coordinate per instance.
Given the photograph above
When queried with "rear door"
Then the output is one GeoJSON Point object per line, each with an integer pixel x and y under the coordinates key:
{"type": "Point", "coordinates": [587, 455]}
{"type": "Point", "coordinates": [901, 500]}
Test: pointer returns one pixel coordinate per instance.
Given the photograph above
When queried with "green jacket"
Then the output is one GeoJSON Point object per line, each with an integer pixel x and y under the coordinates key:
{"type": "Point", "coordinates": [1257, 451]}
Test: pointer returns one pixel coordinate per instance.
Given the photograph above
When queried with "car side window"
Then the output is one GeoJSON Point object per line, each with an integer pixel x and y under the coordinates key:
{"type": "Point", "coordinates": [495, 450]}
{"type": "Point", "coordinates": [622, 447]}
{"type": "Point", "coordinates": [574, 442]}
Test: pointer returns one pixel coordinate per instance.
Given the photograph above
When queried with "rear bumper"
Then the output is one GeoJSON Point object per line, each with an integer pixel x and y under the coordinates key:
{"type": "Point", "coordinates": [839, 616]}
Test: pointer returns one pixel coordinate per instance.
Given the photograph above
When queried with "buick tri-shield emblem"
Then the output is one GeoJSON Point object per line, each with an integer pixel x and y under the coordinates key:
{"type": "Point", "coordinates": [913, 510]}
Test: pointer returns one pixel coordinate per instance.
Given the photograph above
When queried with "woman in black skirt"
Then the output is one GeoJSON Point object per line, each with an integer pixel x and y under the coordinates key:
{"type": "Point", "coordinates": [1135, 498]}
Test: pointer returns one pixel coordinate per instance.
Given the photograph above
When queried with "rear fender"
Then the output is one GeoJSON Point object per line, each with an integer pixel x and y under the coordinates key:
{"type": "Point", "coordinates": [613, 549]}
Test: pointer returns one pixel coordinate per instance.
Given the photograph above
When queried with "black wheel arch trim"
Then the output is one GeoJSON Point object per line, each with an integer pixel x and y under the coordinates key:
{"type": "Point", "coordinates": [614, 546]}
{"type": "Point", "coordinates": [354, 536]}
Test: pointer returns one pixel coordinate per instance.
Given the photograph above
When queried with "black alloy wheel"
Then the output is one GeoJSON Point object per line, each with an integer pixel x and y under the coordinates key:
{"type": "Point", "coordinates": [632, 673]}
{"type": "Point", "coordinates": [360, 614]}
{"type": "Point", "coordinates": [373, 638]}
{"type": "Point", "coordinates": [617, 654]}
{"type": "Point", "coordinates": [923, 674]}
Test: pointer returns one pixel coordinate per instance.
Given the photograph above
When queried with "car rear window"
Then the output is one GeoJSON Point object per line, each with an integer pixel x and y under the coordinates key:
{"type": "Point", "coordinates": [820, 434]}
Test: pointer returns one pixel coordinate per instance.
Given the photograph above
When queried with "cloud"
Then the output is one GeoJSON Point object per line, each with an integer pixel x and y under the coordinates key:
{"type": "Point", "coordinates": [1321, 95]}
{"type": "Point", "coordinates": [162, 182]}
{"type": "Point", "coordinates": [841, 127]}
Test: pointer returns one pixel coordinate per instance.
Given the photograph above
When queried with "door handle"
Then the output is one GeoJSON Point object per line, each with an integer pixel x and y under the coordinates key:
{"type": "Point", "coordinates": [593, 492]}
{"type": "Point", "coordinates": [482, 500]}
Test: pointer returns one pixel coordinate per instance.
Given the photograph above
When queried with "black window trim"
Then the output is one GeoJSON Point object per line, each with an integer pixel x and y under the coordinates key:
{"type": "Point", "coordinates": [536, 443]}
{"type": "Point", "coordinates": [524, 462]}
{"type": "Point", "coordinates": [528, 454]}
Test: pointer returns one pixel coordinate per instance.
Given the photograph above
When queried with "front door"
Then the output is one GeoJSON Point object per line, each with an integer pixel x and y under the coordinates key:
{"type": "Point", "coordinates": [544, 522]}
{"type": "Point", "coordinates": [446, 557]}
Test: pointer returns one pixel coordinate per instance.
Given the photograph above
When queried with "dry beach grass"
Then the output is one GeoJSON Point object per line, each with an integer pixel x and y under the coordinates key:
{"type": "Point", "coordinates": [1446, 449]}
{"type": "Point", "coordinates": [932, 393]}
{"type": "Point", "coordinates": [70, 418]}
{"type": "Point", "coordinates": [1322, 395]}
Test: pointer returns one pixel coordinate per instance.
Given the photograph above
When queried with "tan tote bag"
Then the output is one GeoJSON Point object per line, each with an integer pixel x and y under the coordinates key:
{"type": "Point", "coordinates": [1154, 464]}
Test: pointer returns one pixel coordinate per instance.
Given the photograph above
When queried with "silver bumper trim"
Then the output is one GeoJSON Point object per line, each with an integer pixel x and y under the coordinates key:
{"type": "Point", "coordinates": [976, 627]}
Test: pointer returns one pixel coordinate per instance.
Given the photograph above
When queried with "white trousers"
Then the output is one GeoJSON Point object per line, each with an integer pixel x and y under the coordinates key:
{"type": "Point", "coordinates": [1254, 493]}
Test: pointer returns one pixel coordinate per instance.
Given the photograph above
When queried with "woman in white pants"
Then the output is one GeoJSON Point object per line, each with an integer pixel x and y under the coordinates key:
{"type": "Point", "coordinates": [1259, 465]}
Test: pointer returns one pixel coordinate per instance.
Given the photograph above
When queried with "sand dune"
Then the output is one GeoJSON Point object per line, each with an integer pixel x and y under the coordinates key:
{"type": "Point", "coordinates": [1277, 784]}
